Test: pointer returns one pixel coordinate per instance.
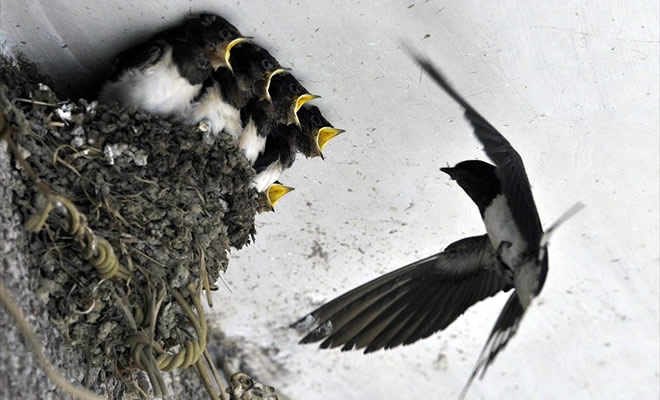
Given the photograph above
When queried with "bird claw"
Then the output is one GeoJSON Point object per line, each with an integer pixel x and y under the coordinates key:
{"type": "Point", "coordinates": [501, 248]}
{"type": "Point", "coordinates": [506, 269]}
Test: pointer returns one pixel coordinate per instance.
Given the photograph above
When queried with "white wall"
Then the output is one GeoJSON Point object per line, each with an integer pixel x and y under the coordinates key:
{"type": "Point", "coordinates": [572, 84]}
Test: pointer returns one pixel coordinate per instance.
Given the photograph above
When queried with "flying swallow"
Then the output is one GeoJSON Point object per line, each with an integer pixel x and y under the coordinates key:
{"type": "Point", "coordinates": [426, 296]}
{"type": "Point", "coordinates": [164, 74]}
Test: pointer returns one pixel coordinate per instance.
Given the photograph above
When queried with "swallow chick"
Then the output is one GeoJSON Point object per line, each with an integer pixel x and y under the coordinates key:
{"type": "Point", "coordinates": [315, 132]}
{"type": "Point", "coordinates": [269, 197]}
{"type": "Point", "coordinates": [260, 117]}
{"type": "Point", "coordinates": [164, 74]}
{"type": "Point", "coordinates": [288, 96]}
{"type": "Point", "coordinates": [230, 88]}
{"type": "Point", "coordinates": [426, 296]}
{"type": "Point", "coordinates": [254, 70]}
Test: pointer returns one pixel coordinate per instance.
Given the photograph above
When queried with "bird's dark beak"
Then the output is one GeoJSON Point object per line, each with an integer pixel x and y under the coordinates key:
{"type": "Point", "coordinates": [270, 78]}
{"type": "Point", "coordinates": [449, 171]}
{"type": "Point", "coordinates": [300, 101]}
{"type": "Point", "coordinates": [275, 192]}
{"type": "Point", "coordinates": [324, 135]}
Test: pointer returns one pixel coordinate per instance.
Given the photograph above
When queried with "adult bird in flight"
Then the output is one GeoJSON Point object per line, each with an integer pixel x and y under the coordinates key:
{"type": "Point", "coordinates": [426, 296]}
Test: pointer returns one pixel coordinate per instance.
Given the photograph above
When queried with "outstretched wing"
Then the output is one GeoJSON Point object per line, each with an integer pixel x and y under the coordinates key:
{"type": "Point", "coordinates": [410, 303]}
{"type": "Point", "coordinates": [510, 167]}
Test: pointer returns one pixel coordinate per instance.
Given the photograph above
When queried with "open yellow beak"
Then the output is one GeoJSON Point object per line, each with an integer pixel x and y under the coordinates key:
{"type": "Point", "coordinates": [300, 101]}
{"type": "Point", "coordinates": [227, 52]}
{"type": "Point", "coordinates": [324, 135]}
{"type": "Point", "coordinates": [270, 77]}
{"type": "Point", "coordinates": [275, 192]}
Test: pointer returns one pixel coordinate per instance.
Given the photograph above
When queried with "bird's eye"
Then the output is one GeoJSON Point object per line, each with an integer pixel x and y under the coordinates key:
{"type": "Point", "coordinates": [316, 120]}
{"type": "Point", "coordinates": [266, 64]}
{"type": "Point", "coordinates": [224, 34]}
{"type": "Point", "coordinates": [293, 88]}
{"type": "Point", "coordinates": [203, 63]}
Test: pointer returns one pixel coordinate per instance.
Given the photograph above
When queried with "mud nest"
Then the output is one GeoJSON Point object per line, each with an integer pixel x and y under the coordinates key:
{"type": "Point", "coordinates": [169, 200]}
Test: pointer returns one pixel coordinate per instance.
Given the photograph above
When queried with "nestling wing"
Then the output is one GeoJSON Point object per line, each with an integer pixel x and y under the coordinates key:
{"type": "Point", "coordinates": [139, 57]}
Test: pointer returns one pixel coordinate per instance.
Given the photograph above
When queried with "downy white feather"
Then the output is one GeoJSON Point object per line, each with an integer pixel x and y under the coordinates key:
{"type": "Point", "coordinates": [158, 89]}
{"type": "Point", "coordinates": [251, 142]}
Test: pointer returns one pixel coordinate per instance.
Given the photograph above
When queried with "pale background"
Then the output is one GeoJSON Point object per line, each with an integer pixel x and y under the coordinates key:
{"type": "Point", "coordinates": [572, 84]}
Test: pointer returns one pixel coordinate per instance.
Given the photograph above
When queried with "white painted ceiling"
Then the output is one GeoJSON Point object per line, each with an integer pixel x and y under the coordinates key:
{"type": "Point", "coordinates": [572, 84]}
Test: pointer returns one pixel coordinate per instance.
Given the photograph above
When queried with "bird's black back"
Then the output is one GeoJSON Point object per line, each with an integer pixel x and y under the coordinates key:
{"type": "Point", "coordinates": [226, 81]}
{"type": "Point", "coordinates": [279, 147]}
{"type": "Point", "coordinates": [261, 112]}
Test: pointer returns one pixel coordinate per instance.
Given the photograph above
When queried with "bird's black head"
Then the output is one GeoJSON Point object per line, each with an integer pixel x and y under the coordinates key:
{"type": "Point", "coordinates": [315, 132]}
{"type": "Point", "coordinates": [218, 37]}
{"type": "Point", "coordinates": [288, 96]}
{"type": "Point", "coordinates": [478, 179]}
{"type": "Point", "coordinates": [192, 62]}
{"type": "Point", "coordinates": [254, 68]}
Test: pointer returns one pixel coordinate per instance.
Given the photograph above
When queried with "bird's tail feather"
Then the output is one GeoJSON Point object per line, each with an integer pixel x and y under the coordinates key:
{"type": "Point", "coordinates": [505, 328]}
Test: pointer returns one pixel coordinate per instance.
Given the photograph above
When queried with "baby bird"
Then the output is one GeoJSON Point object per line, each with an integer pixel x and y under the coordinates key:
{"type": "Point", "coordinates": [164, 74]}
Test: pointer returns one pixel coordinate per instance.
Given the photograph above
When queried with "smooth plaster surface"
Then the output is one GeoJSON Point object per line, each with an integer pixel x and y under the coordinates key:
{"type": "Point", "coordinates": [572, 84]}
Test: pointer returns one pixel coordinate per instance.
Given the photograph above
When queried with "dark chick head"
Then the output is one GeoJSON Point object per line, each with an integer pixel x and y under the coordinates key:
{"type": "Point", "coordinates": [288, 96]}
{"type": "Point", "coordinates": [315, 132]}
{"type": "Point", "coordinates": [478, 179]}
{"type": "Point", "coordinates": [254, 68]}
{"type": "Point", "coordinates": [192, 61]}
{"type": "Point", "coordinates": [218, 37]}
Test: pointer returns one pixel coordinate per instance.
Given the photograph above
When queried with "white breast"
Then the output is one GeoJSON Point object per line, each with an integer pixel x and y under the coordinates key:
{"type": "Point", "coordinates": [208, 108]}
{"type": "Point", "coordinates": [220, 115]}
{"type": "Point", "coordinates": [501, 227]}
{"type": "Point", "coordinates": [233, 124]}
{"type": "Point", "coordinates": [267, 177]}
{"type": "Point", "coordinates": [158, 89]}
{"type": "Point", "coordinates": [251, 143]}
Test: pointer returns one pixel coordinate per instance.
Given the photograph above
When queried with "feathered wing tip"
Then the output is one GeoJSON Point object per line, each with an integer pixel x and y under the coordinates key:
{"type": "Point", "coordinates": [505, 328]}
{"type": "Point", "coordinates": [318, 333]}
